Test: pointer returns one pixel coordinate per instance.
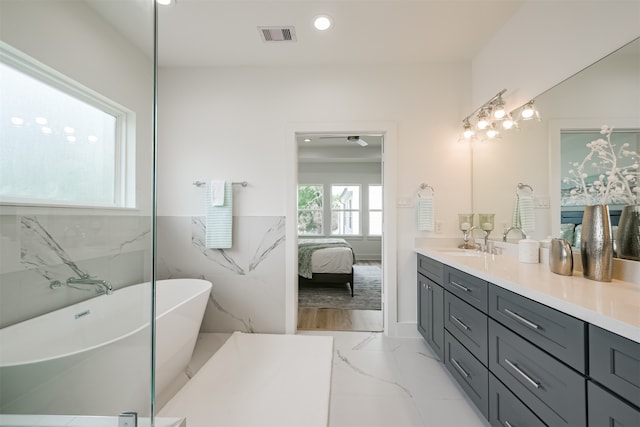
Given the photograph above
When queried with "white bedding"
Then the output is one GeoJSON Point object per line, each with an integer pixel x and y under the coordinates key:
{"type": "Point", "coordinates": [332, 260]}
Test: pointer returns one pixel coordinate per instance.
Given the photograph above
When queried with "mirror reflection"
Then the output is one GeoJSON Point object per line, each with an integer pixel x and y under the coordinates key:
{"type": "Point", "coordinates": [606, 93]}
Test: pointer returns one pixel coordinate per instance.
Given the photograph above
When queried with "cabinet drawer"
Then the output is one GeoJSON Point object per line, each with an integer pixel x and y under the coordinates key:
{"type": "Point", "coordinates": [467, 287]}
{"type": "Point", "coordinates": [467, 324]}
{"type": "Point", "coordinates": [431, 268]}
{"type": "Point", "coordinates": [552, 390]}
{"type": "Point", "coordinates": [506, 410]}
{"type": "Point", "coordinates": [557, 333]}
{"type": "Point", "coordinates": [614, 362]}
{"type": "Point", "coordinates": [472, 375]}
{"type": "Point", "coordinates": [606, 409]}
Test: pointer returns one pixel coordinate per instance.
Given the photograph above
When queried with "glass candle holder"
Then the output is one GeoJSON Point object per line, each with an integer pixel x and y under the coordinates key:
{"type": "Point", "coordinates": [465, 222]}
{"type": "Point", "coordinates": [486, 221]}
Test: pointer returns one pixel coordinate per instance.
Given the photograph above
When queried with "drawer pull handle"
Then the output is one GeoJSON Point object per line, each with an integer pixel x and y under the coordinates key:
{"type": "Point", "coordinates": [521, 319]}
{"type": "Point", "coordinates": [458, 285]}
{"type": "Point", "coordinates": [507, 424]}
{"type": "Point", "coordinates": [459, 322]}
{"type": "Point", "coordinates": [459, 368]}
{"type": "Point", "coordinates": [534, 383]}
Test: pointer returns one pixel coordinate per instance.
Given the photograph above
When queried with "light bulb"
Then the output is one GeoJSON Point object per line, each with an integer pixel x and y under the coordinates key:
{"type": "Point", "coordinates": [499, 113]}
{"type": "Point", "coordinates": [69, 129]}
{"type": "Point", "coordinates": [17, 121]}
{"type": "Point", "coordinates": [41, 120]}
{"type": "Point", "coordinates": [322, 22]}
{"type": "Point", "coordinates": [483, 121]}
{"type": "Point", "coordinates": [491, 133]}
{"type": "Point", "coordinates": [507, 123]}
{"type": "Point", "coordinates": [468, 133]}
{"type": "Point", "coordinates": [528, 111]}
{"type": "Point", "coordinates": [92, 138]}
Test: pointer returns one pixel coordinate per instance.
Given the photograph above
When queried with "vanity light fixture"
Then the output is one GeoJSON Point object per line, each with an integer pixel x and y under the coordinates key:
{"type": "Point", "coordinates": [322, 22]}
{"type": "Point", "coordinates": [492, 117]}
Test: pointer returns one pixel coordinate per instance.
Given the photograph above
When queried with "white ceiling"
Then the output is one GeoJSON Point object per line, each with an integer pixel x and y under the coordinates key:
{"type": "Point", "coordinates": [213, 33]}
{"type": "Point", "coordinates": [336, 148]}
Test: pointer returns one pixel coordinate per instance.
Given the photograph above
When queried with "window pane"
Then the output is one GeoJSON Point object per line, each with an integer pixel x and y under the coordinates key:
{"type": "Point", "coordinates": [53, 146]}
{"type": "Point", "coordinates": [309, 197]}
{"type": "Point", "coordinates": [310, 222]}
{"type": "Point", "coordinates": [345, 223]}
{"type": "Point", "coordinates": [375, 223]}
{"type": "Point", "coordinates": [375, 197]}
{"type": "Point", "coordinates": [345, 197]}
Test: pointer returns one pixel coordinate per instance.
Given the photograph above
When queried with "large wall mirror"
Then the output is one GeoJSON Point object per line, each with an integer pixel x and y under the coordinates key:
{"type": "Point", "coordinates": [606, 93]}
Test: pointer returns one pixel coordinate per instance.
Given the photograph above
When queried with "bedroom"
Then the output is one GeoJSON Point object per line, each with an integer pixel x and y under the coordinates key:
{"type": "Point", "coordinates": [340, 203]}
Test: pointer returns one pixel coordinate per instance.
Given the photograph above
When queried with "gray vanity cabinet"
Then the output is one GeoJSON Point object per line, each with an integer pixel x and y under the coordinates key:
{"type": "Point", "coordinates": [430, 314]}
{"type": "Point", "coordinates": [505, 409]}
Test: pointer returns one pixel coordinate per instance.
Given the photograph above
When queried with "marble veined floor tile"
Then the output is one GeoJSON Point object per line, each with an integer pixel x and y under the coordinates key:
{"type": "Point", "coordinates": [373, 411]}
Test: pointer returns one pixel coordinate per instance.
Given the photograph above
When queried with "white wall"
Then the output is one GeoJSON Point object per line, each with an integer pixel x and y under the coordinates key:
{"type": "Point", "coordinates": [546, 42]}
{"type": "Point", "coordinates": [234, 123]}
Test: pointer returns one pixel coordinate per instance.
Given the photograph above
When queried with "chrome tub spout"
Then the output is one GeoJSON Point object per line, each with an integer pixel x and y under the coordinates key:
{"type": "Point", "coordinates": [102, 285]}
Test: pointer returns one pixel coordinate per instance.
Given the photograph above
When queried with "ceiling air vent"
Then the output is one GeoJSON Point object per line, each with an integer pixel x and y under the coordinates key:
{"type": "Point", "coordinates": [277, 34]}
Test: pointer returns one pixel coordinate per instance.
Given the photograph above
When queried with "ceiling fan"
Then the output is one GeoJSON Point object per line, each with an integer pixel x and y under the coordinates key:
{"type": "Point", "coordinates": [355, 139]}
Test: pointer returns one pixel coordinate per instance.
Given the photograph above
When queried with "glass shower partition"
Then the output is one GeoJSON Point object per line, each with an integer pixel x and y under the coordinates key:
{"type": "Point", "coordinates": [77, 173]}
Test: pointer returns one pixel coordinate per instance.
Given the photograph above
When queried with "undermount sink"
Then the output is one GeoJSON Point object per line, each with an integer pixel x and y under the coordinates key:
{"type": "Point", "coordinates": [459, 252]}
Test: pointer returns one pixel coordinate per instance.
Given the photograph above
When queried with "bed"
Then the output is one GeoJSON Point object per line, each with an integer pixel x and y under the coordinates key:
{"type": "Point", "coordinates": [326, 261]}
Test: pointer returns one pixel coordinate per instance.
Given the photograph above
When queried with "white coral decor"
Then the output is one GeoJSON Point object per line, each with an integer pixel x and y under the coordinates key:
{"type": "Point", "coordinates": [618, 174]}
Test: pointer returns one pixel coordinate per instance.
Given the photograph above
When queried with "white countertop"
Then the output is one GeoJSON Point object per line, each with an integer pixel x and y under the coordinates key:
{"type": "Point", "coordinates": [614, 306]}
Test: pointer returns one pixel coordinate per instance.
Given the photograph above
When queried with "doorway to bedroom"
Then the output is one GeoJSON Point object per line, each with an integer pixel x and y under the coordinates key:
{"type": "Point", "coordinates": [339, 215]}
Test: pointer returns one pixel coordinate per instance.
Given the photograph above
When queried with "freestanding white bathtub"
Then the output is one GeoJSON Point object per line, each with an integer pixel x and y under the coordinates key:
{"type": "Point", "coordinates": [94, 357]}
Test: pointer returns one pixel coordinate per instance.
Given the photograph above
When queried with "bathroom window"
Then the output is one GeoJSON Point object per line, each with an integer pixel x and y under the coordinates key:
{"type": "Point", "coordinates": [60, 143]}
{"type": "Point", "coordinates": [310, 207]}
{"type": "Point", "coordinates": [375, 210]}
{"type": "Point", "coordinates": [345, 210]}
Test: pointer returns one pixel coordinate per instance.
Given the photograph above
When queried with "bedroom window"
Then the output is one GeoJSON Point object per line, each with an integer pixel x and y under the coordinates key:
{"type": "Point", "coordinates": [375, 210]}
{"type": "Point", "coordinates": [310, 210]}
{"type": "Point", "coordinates": [345, 210]}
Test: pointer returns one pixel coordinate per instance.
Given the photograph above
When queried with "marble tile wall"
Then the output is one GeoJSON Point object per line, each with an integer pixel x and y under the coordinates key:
{"type": "Point", "coordinates": [248, 279]}
{"type": "Point", "coordinates": [38, 249]}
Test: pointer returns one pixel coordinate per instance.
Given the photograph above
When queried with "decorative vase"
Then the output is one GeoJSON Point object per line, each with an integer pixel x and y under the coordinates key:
{"type": "Point", "coordinates": [628, 235]}
{"type": "Point", "coordinates": [596, 245]}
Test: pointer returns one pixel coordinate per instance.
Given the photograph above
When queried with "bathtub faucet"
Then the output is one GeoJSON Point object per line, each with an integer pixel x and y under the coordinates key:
{"type": "Point", "coordinates": [86, 280]}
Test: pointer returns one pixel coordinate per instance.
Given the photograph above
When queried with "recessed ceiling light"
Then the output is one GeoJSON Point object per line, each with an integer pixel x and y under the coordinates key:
{"type": "Point", "coordinates": [322, 22]}
{"type": "Point", "coordinates": [307, 140]}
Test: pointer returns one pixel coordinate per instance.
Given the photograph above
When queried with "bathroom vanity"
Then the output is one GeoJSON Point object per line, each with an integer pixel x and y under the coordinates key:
{"type": "Point", "coordinates": [530, 347]}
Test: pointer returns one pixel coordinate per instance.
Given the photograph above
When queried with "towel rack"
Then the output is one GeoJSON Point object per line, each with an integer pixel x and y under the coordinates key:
{"type": "Point", "coordinates": [424, 186]}
{"type": "Point", "coordinates": [202, 183]}
{"type": "Point", "coordinates": [522, 187]}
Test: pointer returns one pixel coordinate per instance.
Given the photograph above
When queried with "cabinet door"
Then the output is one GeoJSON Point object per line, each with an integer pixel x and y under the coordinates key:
{"type": "Point", "coordinates": [430, 314]}
{"type": "Point", "coordinates": [607, 410]}
{"type": "Point", "coordinates": [614, 362]}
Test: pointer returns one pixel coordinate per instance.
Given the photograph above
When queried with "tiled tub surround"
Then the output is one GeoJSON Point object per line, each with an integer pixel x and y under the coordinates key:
{"type": "Point", "coordinates": [38, 249]}
{"type": "Point", "coordinates": [248, 291]}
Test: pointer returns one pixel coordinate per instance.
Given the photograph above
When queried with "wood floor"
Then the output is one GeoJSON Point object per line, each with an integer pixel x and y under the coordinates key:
{"type": "Point", "coordinates": [333, 319]}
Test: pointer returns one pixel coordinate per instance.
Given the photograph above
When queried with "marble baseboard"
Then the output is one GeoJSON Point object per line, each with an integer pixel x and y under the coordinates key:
{"type": "Point", "coordinates": [248, 279]}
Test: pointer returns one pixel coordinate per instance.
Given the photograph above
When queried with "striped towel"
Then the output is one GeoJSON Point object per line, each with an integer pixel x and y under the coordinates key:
{"type": "Point", "coordinates": [219, 220]}
{"type": "Point", "coordinates": [523, 214]}
{"type": "Point", "coordinates": [426, 217]}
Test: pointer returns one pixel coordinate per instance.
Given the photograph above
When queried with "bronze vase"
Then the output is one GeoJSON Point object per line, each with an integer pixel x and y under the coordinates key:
{"type": "Point", "coordinates": [596, 245]}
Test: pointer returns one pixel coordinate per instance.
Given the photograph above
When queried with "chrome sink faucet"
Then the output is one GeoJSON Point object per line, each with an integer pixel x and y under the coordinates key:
{"type": "Point", "coordinates": [102, 285]}
{"type": "Point", "coordinates": [485, 237]}
{"type": "Point", "coordinates": [508, 230]}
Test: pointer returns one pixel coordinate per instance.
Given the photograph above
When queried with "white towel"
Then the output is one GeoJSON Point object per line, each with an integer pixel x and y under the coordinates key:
{"type": "Point", "coordinates": [219, 220]}
{"type": "Point", "coordinates": [217, 192]}
{"type": "Point", "coordinates": [426, 217]}
{"type": "Point", "coordinates": [523, 214]}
